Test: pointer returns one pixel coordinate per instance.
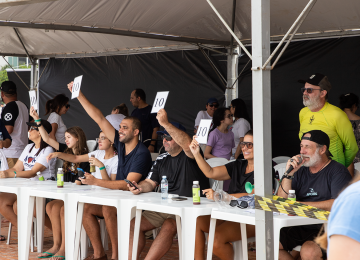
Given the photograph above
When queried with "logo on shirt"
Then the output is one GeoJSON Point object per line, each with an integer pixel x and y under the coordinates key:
{"type": "Point", "coordinates": [311, 193]}
{"type": "Point", "coordinates": [311, 119]}
{"type": "Point", "coordinates": [8, 117]}
{"type": "Point", "coordinates": [29, 161]}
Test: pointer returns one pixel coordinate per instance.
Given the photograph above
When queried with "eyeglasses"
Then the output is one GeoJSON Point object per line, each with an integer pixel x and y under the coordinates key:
{"type": "Point", "coordinates": [248, 145]}
{"type": "Point", "coordinates": [101, 139]}
{"type": "Point", "coordinates": [167, 138]}
{"type": "Point", "coordinates": [310, 90]}
{"type": "Point", "coordinates": [67, 106]}
{"type": "Point", "coordinates": [212, 105]}
{"type": "Point", "coordinates": [229, 116]}
{"type": "Point", "coordinates": [34, 128]}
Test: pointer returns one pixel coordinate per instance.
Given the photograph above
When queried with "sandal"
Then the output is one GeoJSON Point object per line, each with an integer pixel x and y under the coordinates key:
{"type": "Point", "coordinates": [46, 256]}
{"type": "Point", "coordinates": [2, 238]}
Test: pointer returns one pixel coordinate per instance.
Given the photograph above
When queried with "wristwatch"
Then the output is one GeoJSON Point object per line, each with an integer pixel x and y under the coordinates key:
{"type": "Point", "coordinates": [288, 177]}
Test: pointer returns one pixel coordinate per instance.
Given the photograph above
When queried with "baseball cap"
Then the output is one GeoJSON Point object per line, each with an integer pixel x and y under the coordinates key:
{"type": "Point", "coordinates": [318, 79]}
{"type": "Point", "coordinates": [212, 100]}
{"type": "Point", "coordinates": [177, 125]}
{"type": "Point", "coordinates": [8, 87]}
{"type": "Point", "coordinates": [318, 137]}
{"type": "Point", "coordinates": [44, 123]}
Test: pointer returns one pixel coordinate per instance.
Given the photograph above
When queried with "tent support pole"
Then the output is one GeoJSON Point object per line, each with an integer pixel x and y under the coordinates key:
{"type": "Point", "coordinates": [229, 29]}
{"type": "Point", "coordinates": [261, 85]}
{"type": "Point", "coordinates": [233, 26]}
{"type": "Point", "coordinates": [232, 72]}
{"type": "Point", "coordinates": [299, 21]}
{"type": "Point", "coordinates": [27, 53]}
{"type": "Point", "coordinates": [221, 77]}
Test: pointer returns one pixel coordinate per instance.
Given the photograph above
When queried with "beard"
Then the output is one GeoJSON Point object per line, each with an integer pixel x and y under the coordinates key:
{"type": "Point", "coordinates": [314, 159]}
{"type": "Point", "coordinates": [312, 102]}
{"type": "Point", "coordinates": [126, 139]}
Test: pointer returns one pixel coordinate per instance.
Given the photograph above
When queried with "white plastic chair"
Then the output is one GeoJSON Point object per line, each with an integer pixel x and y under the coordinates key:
{"type": "Point", "coordinates": [280, 168]}
{"type": "Point", "coordinates": [281, 159]}
{"type": "Point", "coordinates": [32, 238]}
{"type": "Point", "coordinates": [91, 145]}
{"type": "Point", "coordinates": [214, 162]}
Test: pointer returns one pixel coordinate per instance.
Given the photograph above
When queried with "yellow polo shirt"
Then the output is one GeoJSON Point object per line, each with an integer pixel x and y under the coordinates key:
{"type": "Point", "coordinates": [335, 123]}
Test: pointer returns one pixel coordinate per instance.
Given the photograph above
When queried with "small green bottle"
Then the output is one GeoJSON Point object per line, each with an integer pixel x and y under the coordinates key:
{"type": "Point", "coordinates": [292, 195]}
{"type": "Point", "coordinates": [41, 178]}
{"type": "Point", "coordinates": [196, 192]}
{"type": "Point", "coordinates": [60, 178]}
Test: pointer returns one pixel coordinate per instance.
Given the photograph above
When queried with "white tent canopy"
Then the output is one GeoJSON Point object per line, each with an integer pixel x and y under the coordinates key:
{"type": "Point", "coordinates": [83, 28]}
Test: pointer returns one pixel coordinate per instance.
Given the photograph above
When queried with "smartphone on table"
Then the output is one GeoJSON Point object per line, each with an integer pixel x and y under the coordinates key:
{"type": "Point", "coordinates": [131, 184]}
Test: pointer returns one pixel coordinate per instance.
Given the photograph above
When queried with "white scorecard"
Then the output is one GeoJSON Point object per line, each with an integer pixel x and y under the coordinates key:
{"type": "Point", "coordinates": [160, 101]}
{"type": "Point", "coordinates": [33, 99]}
{"type": "Point", "coordinates": [203, 131]}
{"type": "Point", "coordinates": [76, 87]}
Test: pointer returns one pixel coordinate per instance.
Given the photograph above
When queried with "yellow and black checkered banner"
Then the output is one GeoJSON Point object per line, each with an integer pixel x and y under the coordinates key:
{"type": "Point", "coordinates": [289, 207]}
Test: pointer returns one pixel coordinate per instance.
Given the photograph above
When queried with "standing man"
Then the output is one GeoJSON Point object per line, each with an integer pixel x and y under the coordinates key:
{"type": "Point", "coordinates": [14, 117]}
{"type": "Point", "coordinates": [320, 115]}
{"type": "Point", "coordinates": [149, 124]}
{"type": "Point", "coordinates": [211, 105]}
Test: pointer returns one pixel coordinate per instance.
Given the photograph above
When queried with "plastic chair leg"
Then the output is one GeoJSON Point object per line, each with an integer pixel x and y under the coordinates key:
{"type": "Point", "coordinates": [9, 234]}
{"type": "Point", "coordinates": [83, 244]}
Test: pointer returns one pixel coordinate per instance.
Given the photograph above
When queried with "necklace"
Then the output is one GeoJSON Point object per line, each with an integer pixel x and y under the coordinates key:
{"type": "Point", "coordinates": [322, 167]}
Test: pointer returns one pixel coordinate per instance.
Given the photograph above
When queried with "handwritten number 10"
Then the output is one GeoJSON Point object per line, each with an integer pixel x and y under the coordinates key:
{"type": "Point", "coordinates": [202, 131]}
{"type": "Point", "coordinates": [158, 102]}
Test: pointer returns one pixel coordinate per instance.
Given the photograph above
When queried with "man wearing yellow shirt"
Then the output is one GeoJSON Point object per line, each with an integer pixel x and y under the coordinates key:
{"type": "Point", "coordinates": [318, 114]}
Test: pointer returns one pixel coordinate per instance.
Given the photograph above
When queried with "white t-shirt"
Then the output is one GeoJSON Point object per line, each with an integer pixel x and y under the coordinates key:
{"type": "Point", "coordinates": [201, 115]}
{"type": "Point", "coordinates": [115, 120]}
{"type": "Point", "coordinates": [239, 128]}
{"type": "Point", "coordinates": [111, 164]}
{"type": "Point", "coordinates": [29, 159]}
{"type": "Point", "coordinates": [60, 132]}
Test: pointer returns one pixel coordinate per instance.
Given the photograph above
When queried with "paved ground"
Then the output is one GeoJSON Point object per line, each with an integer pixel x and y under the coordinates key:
{"type": "Point", "coordinates": [10, 251]}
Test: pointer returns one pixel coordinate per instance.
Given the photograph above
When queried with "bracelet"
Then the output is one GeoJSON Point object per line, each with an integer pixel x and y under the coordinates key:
{"type": "Point", "coordinates": [288, 177]}
{"type": "Point", "coordinates": [38, 120]}
{"type": "Point", "coordinates": [102, 168]}
{"type": "Point", "coordinates": [15, 174]}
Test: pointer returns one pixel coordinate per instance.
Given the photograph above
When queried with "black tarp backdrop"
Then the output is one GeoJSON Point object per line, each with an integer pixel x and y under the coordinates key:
{"type": "Point", "coordinates": [22, 91]}
{"type": "Point", "coordinates": [109, 81]}
{"type": "Point", "coordinates": [190, 80]}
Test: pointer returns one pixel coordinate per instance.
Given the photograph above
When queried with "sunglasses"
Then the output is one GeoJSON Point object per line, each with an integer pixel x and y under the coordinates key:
{"type": "Point", "coordinates": [212, 105]}
{"type": "Point", "coordinates": [310, 90]}
{"type": "Point", "coordinates": [34, 128]}
{"type": "Point", "coordinates": [248, 145]}
{"type": "Point", "coordinates": [167, 138]}
{"type": "Point", "coordinates": [67, 106]}
{"type": "Point", "coordinates": [101, 139]}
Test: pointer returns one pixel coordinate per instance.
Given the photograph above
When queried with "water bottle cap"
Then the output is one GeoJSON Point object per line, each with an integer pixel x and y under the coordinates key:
{"type": "Point", "coordinates": [291, 191]}
{"type": "Point", "coordinates": [38, 173]}
{"type": "Point", "coordinates": [60, 169]}
{"type": "Point", "coordinates": [195, 182]}
{"type": "Point", "coordinates": [164, 176]}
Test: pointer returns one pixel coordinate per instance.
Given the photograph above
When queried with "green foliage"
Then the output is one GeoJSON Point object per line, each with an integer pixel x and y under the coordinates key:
{"type": "Point", "coordinates": [3, 74]}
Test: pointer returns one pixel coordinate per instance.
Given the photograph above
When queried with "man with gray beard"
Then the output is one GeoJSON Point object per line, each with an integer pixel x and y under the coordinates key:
{"type": "Point", "coordinates": [318, 114]}
{"type": "Point", "coordinates": [317, 181]}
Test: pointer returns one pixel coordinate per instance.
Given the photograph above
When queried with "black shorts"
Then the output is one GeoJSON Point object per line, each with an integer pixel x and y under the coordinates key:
{"type": "Point", "coordinates": [291, 237]}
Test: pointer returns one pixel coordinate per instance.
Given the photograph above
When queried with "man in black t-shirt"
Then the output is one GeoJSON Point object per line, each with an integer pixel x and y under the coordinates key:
{"type": "Point", "coordinates": [317, 181]}
{"type": "Point", "coordinates": [180, 168]}
{"type": "Point", "coordinates": [149, 124]}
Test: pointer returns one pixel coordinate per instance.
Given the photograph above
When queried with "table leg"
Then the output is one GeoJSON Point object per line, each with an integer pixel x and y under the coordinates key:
{"type": "Point", "coordinates": [188, 226]}
{"type": "Point", "coordinates": [70, 211]}
{"type": "Point", "coordinates": [244, 241]}
{"type": "Point", "coordinates": [211, 238]}
{"type": "Point", "coordinates": [123, 224]}
{"type": "Point", "coordinates": [178, 227]}
{"type": "Point", "coordinates": [277, 228]}
{"type": "Point", "coordinates": [40, 220]}
{"type": "Point", "coordinates": [25, 205]}
{"type": "Point", "coordinates": [79, 217]}
{"type": "Point", "coordinates": [136, 234]}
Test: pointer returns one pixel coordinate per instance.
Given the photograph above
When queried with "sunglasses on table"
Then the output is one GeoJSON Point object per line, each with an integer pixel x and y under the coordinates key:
{"type": "Point", "coordinates": [310, 90]}
{"type": "Point", "coordinates": [167, 138]}
{"type": "Point", "coordinates": [67, 106]}
{"type": "Point", "coordinates": [34, 128]}
{"type": "Point", "coordinates": [213, 105]}
{"type": "Point", "coordinates": [248, 145]}
{"type": "Point", "coordinates": [100, 139]}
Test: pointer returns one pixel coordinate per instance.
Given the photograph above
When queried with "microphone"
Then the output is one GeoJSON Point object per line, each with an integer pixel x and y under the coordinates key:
{"type": "Point", "coordinates": [291, 167]}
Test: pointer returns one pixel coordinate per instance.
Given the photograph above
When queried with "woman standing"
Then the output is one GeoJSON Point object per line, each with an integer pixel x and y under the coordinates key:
{"type": "Point", "coordinates": [221, 140]}
{"type": "Point", "coordinates": [57, 107]}
{"type": "Point", "coordinates": [241, 125]}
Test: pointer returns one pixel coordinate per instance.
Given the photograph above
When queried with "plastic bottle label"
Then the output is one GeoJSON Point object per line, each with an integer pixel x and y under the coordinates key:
{"type": "Point", "coordinates": [60, 180]}
{"type": "Point", "coordinates": [196, 195]}
{"type": "Point", "coordinates": [293, 199]}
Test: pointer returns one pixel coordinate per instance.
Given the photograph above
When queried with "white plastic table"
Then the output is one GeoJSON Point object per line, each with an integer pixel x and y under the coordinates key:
{"type": "Point", "coordinates": [184, 210]}
{"type": "Point", "coordinates": [244, 217]}
{"type": "Point", "coordinates": [125, 203]}
{"type": "Point", "coordinates": [69, 194]}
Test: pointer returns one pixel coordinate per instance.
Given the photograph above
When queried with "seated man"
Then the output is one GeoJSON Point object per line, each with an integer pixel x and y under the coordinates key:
{"type": "Point", "coordinates": [134, 163]}
{"type": "Point", "coordinates": [181, 169]}
{"type": "Point", "coordinates": [211, 105]}
{"type": "Point", "coordinates": [316, 184]}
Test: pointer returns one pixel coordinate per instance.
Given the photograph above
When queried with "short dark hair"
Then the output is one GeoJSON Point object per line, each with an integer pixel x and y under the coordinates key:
{"type": "Point", "coordinates": [250, 132]}
{"type": "Point", "coordinates": [348, 100]}
{"type": "Point", "coordinates": [122, 108]}
{"type": "Point", "coordinates": [136, 123]}
{"type": "Point", "coordinates": [140, 93]}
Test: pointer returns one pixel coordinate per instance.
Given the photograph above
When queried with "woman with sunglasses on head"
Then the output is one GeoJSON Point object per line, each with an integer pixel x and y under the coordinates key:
{"type": "Point", "coordinates": [241, 124]}
{"type": "Point", "coordinates": [239, 172]}
{"type": "Point", "coordinates": [221, 139]}
{"type": "Point", "coordinates": [31, 161]}
{"type": "Point", "coordinates": [57, 107]}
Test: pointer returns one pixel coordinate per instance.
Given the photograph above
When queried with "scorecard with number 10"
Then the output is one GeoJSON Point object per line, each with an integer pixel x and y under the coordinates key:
{"type": "Point", "coordinates": [76, 87]}
{"type": "Point", "coordinates": [160, 101]}
{"type": "Point", "coordinates": [203, 131]}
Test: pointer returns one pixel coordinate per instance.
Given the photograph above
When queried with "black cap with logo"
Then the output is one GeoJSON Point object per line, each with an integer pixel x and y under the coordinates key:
{"type": "Point", "coordinates": [317, 79]}
{"type": "Point", "coordinates": [318, 137]}
{"type": "Point", "coordinates": [8, 87]}
{"type": "Point", "coordinates": [44, 123]}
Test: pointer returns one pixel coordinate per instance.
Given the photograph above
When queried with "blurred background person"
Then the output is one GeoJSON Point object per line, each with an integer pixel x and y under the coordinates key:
{"type": "Point", "coordinates": [118, 113]}
{"type": "Point", "coordinates": [211, 105]}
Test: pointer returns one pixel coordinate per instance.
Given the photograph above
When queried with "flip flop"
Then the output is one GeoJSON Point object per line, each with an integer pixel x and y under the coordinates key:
{"type": "Point", "coordinates": [2, 238]}
{"type": "Point", "coordinates": [46, 256]}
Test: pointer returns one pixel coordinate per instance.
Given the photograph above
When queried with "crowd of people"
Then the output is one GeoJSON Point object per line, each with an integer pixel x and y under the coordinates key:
{"type": "Point", "coordinates": [329, 139]}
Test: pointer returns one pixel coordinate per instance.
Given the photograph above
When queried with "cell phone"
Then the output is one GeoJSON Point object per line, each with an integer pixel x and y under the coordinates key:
{"type": "Point", "coordinates": [179, 198]}
{"type": "Point", "coordinates": [81, 173]}
{"type": "Point", "coordinates": [131, 184]}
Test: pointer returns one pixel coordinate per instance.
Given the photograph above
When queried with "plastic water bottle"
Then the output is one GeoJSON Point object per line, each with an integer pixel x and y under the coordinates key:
{"type": "Point", "coordinates": [196, 192]}
{"type": "Point", "coordinates": [164, 188]}
{"type": "Point", "coordinates": [292, 195]}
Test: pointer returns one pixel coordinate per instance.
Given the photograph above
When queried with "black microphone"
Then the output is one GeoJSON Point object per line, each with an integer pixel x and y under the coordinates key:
{"type": "Point", "coordinates": [291, 167]}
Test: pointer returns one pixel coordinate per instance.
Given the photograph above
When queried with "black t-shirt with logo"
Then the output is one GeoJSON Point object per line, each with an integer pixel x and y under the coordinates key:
{"type": "Point", "coordinates": [180, 172]}
{"type": "Point", "coordinates": [323, 185]}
